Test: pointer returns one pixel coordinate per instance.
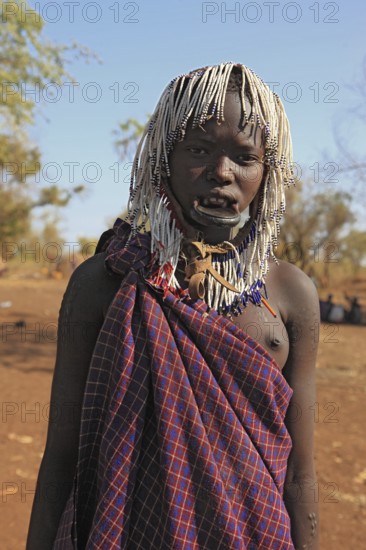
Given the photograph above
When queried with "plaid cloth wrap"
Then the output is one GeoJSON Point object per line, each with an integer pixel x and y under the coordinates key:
{"type": "Point", "coordinates": [183, 444]}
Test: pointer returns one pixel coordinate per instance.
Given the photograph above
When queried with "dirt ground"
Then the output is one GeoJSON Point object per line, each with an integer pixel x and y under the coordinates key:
{"type": "Point", "coordinates": [26, 365]}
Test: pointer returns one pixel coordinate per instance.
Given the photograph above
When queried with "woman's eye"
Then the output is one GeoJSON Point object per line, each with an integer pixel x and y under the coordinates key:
{"type": "Point", "coordinates": [197, 150]}
{"type": "Point", "coordinates": [247, 158]}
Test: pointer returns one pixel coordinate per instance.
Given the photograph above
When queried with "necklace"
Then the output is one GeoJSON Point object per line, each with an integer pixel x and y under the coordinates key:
{"type": "Point", "coordinates": [197, 269]}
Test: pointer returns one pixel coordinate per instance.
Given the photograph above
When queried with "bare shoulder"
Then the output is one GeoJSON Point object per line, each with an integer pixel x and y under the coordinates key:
{"type": "Point", "coordinates": [296, 292]}
{"type": "Point", "coordinates": [90, 289]}
{"type": "Point", "coordinates": [89, 293]}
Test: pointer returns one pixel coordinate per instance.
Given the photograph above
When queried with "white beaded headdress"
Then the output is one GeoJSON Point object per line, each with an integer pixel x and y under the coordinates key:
{"type": "Point", "coordinates": [194, 98]}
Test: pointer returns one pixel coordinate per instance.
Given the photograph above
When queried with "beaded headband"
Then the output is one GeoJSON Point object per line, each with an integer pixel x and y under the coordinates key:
{"type": "Point", "coordinates": [195, 98]}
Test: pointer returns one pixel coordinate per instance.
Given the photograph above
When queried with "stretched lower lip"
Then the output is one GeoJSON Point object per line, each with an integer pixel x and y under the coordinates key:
{"type": "Point", "coordinates": [217, 212]}
{"type": "Point", "coordinates": [219, 216]}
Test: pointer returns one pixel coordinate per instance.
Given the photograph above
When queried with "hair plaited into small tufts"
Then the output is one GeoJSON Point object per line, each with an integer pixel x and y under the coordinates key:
{"type": "Point", "coordinates": [193, 99]}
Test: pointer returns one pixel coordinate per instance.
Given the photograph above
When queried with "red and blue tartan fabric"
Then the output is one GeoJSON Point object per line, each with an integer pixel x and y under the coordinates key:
{"type": "Point", "coordinates": [183, 444]}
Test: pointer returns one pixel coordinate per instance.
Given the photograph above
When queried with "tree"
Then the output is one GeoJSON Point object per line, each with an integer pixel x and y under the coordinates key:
{"type": "Point", "coordinates": [129, 134]}
{"type": "Point", "coordinates": [353, 248]}
{"type": "Point", "coordinates": [312, 228]}
{"type": "Point", "coordinates": [27, 62]}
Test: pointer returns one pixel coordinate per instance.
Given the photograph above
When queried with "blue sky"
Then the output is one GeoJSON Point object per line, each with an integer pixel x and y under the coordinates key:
{"type": "Point", "coordinates": [309, 52]}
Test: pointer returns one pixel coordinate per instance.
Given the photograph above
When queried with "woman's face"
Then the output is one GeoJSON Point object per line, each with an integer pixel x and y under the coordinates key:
{"type": "Point", "coordinates": [216, 172]}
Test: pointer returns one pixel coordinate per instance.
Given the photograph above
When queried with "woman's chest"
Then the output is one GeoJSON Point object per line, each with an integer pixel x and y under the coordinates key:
{"type": "Point", "coordinates": [269, 331]}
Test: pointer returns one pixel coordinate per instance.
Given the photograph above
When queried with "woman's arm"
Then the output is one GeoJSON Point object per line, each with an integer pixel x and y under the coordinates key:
{"type": "Point", "coordinates": [302, 324]}
{"type": "Point", "coordinates": [90, 290]}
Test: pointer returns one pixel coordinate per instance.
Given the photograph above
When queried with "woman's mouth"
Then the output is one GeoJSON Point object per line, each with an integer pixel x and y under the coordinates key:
{"type": "Point", "coordinates": [216, 210]}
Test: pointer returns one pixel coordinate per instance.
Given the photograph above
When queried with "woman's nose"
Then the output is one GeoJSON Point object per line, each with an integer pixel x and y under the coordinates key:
{"type": "Point", "coordinates": [221, 170]}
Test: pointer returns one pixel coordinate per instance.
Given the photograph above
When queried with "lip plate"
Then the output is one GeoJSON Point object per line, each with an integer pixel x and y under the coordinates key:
{"type": "Point", "coordinates": [206, 216]}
